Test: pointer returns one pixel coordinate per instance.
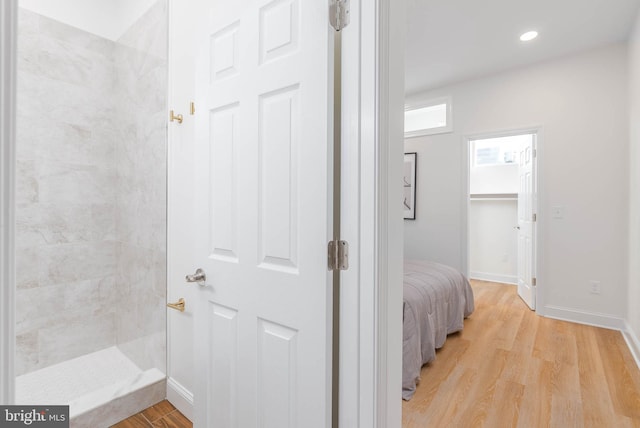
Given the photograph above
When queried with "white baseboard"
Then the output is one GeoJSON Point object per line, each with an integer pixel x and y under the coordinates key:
{"type": "Point", "coordinates": [582, 317]}
{"type": "Point", "coordinates": [632, 342]}
{"type": "Point", "coordinates": [494, 277]}
{"type": "Point", "coordinates": [180, 397]}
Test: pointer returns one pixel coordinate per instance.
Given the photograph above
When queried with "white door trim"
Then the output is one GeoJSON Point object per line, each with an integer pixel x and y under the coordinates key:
{"type": "Point", "coordinates": [372, 157]}
{"type": "Point", "coordinates": [8, 74]}
{"type": "Point", "coordinates": [538, 267]}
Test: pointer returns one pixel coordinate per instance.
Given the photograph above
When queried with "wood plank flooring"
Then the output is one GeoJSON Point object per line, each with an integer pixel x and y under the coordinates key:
{"type": "Point", "coordinates": [161, 415]}
{"type": "Point", "coordinates": [508, 368]}
{"type": "Point", "coordinates": [512, 368]}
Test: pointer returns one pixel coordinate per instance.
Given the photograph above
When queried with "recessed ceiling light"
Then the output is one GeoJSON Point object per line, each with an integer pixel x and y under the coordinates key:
{"type": "Point", "coordinates": [529, 35]}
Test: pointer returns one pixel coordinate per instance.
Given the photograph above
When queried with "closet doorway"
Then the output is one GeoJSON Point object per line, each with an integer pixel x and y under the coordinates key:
{"type": "Point", "coordinates": [501, 207]}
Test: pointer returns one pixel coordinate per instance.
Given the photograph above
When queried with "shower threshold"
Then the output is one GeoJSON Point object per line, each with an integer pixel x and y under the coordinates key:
{"type": "Point", "coordinates": [90, 383]}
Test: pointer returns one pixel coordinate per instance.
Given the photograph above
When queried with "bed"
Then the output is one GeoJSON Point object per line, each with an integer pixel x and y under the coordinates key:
{"type": "Point", "coordinates": [437, 299]}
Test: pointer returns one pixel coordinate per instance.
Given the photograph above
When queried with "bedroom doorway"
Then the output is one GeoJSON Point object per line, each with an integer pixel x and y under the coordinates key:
{"type": "Point", "coordinates": [501, 210]}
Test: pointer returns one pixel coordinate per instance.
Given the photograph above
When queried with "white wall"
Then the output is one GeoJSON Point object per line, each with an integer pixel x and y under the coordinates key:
{"type": "Point", "coordinates": [493, 179]}
{"type": "Point", "coordinates": [184, 18]}
{"type": "Point", "coordinates": [580, 104]}
{"type": "Point", "coordinates": [493, 243]}
{"type": "Point", "coordinates": [105, 18]}
{"type": "Point", "coordinates": [634, 191]}
{"type": "Point", "coordinates": [435, 233]}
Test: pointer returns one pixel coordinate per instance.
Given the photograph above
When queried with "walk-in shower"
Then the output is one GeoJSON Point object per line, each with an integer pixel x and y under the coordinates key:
{"type": "Point", "coordinates": [91, 215]}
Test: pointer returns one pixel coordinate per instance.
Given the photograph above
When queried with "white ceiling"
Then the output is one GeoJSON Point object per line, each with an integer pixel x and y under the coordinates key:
{"type": "Point", "coordinates": [453, 40]}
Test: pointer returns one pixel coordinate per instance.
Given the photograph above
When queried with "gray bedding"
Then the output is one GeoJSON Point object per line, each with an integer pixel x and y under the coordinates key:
{"type": "Point", "coordinates": [437, 298]}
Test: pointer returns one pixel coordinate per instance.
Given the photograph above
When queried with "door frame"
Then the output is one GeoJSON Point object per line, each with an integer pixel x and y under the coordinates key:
{"type": "Point", "coordinates": [538, 261]}
{"type": "Point", "coordinates": [372, 160]}
{"type": "Point", "coordinates": [8, 61]}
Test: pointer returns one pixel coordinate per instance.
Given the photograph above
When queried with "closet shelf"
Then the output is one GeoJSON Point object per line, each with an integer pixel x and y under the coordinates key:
{"type": "Point", "coordinates": [493, 197]}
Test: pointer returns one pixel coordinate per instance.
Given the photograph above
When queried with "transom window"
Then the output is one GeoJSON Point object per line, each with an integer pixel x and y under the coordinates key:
{"type": "Point", "coordinates": [428, 118]}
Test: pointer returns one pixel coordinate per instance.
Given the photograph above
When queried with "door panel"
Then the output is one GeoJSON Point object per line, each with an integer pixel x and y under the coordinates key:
{"type": "Point", "coordinates": [526, 223]}
{"type": "Point", "coordinates": [277, 368]}
{"type": "Point", "coordinates": [222, 138]}
{"type": "Point", "coordinates": [223, 366]}
{"type": "Point", "coordinates": [264, 215]}
{"type": "Point", "coordinates": [278, 163]}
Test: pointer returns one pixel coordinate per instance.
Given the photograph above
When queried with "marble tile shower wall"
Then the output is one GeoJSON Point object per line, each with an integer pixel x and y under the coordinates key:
{"type": "Point", "coordinates": [141, 69]}
{"type": "Point", "coordinates": [90, 193]}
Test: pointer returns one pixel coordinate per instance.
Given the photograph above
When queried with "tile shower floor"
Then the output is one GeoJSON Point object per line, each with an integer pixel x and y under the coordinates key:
{"type": "Point", "coordinates": [85, 382]}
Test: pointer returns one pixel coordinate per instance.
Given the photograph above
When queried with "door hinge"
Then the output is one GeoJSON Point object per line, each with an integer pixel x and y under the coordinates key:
{"type": "Point", "coordinates": [533, 281]}
{"type": "Point", "coordinates": [338, 255]}
{"type": "Point", "coordinates": [534, 217]}
{"type": "Point", "coordinates": [339, 14]}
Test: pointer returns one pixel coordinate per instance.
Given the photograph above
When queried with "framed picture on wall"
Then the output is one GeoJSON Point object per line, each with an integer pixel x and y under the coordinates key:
{"type": "Point", "coordinates": [409, 182]}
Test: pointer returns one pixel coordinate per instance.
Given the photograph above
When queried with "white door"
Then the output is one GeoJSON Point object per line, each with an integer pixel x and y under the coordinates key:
{"type": "Point", "coordinates": [264, 215]}
{"type": "Point", "coordinates": [526, 222]}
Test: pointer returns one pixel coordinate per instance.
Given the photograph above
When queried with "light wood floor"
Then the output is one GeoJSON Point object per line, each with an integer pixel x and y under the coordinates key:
{"type": "Point", "coordinates": [511, 368]}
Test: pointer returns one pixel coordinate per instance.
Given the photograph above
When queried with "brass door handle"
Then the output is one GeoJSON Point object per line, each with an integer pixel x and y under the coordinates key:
{"type": "Point", "coordinates": [177, 118]}
{"type": "Point", "coordinates": [179, 305]}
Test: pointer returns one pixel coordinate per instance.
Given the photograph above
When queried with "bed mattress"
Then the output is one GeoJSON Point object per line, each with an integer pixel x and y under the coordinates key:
{"type": "Point", "coordinates": [437, 299]}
